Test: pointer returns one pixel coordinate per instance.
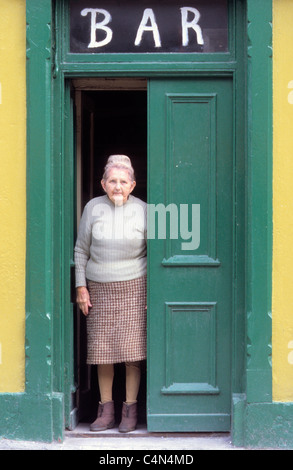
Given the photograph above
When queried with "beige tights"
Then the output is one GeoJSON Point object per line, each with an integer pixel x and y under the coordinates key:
{"type": "Point", "coordinates": [106, 377]}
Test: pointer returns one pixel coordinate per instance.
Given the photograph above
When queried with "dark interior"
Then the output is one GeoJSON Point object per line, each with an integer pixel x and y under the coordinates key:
{"type": "Point", "coordinates": [112, 122]}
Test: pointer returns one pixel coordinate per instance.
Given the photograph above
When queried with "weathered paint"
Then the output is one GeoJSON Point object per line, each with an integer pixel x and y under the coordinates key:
{"type": "Point", "coordinates": [283, 202]}
{"type": "Point", "coordinates": [12, 194]}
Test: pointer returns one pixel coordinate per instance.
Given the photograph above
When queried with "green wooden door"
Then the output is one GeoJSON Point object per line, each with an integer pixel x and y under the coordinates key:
{"type": "Point", "coordinates": [190, 193]}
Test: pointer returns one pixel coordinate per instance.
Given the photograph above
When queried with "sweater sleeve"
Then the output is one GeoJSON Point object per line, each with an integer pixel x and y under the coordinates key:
{"type": "Point", "coordinates": [82, 248]}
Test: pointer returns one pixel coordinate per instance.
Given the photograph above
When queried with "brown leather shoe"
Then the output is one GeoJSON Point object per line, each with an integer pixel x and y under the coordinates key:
{"type": "Point", "coordinates": [105, 418]}
{"type": "Point", "coordinates": [129, 417]}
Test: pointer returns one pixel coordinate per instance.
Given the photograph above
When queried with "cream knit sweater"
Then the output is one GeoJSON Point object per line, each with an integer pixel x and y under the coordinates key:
{"type": "Point", "coordinates": [111, 242]}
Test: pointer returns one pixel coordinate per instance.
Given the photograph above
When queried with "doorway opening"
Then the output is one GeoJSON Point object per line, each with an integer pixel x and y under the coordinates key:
{"type": "Point", "coordinates": [110, 117]}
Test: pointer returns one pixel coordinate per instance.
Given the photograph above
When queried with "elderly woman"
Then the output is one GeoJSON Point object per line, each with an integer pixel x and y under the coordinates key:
{"type": "Point", "coordinates": [110, 260]}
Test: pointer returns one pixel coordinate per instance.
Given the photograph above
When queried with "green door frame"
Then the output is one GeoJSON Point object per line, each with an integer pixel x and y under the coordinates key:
{"type": "Point", "coordinates": [153, 65]}
{"type": "Point", "coordinates": [40, 409]}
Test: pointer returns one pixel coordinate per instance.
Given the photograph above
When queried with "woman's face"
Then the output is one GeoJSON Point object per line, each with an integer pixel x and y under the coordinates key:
{"type": "Point", "coordinates": [118, 186]}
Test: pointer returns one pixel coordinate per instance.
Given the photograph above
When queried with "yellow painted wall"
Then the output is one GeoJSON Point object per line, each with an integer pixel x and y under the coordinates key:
{"type": "Point", "coordinates": [283, 200]}
{"type": "Point", "coordinates": [12, 194]}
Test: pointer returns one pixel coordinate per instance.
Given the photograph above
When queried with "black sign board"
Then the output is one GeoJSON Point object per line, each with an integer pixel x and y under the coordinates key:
{"type": "Point", "coordinates": [135, 26]}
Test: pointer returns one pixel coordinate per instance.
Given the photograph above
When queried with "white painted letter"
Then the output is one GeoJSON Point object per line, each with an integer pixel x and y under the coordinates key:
{"type": "Point", "coordinates": [162, 210]}
{"type": "Point", "coordinates": [194, 235]}
{"type": "Point", "coordinates": [148, 14]}
{"type": "Point", "coordinates": [102, 25]}
{"type": "Point", "coordinates": [190, 24]}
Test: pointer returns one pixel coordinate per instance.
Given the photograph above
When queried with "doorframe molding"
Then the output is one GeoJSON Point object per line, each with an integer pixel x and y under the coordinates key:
{"type": "Point", "coordinates": [40, 409]}
{"type": "Point", "coordinates": [85, 69]}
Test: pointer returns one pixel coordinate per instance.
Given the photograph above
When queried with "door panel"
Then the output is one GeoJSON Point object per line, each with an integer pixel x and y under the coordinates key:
{"type": "Point", "coordinates": [190, 247]}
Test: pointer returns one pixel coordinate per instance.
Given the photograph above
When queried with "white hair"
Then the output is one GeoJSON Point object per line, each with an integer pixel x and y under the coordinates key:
{"type": "Point", "coordinates": [121, 162]}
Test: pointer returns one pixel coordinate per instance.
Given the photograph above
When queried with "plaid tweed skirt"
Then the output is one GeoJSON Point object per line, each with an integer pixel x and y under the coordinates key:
{"type": "Point", "coordinates": [116, 324]}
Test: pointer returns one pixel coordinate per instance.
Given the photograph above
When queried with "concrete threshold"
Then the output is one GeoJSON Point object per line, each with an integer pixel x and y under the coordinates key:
{"type": "Point", "coordinates": [82, 430]}
{"type": "Point", "coordinates": [111, 440]}
{"type": "Point", "coordinates": [142, 440]}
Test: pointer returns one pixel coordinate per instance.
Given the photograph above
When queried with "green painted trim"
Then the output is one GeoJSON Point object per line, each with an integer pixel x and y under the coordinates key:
{"type": "Point", "coordinates": [239, 190]}
{"type": "Point", "coordinates": [163, 423]}
{"type": "Point", "coordinates": [259, 201]}
{"type": "Point", "coordinates": [38, 269]}
{"type": "Point", "coordinates": [237, 418]}
{"type": "Point", "coordinates": [262, 425]}
{"type": "Point", "coordinates": [37, 413]}
{"type": "Point", "coordinates": [32, 417]}
{"type": "Point", "coordinates": [269, 425]}
{"type": "Point", "coordinates": [257, 422]}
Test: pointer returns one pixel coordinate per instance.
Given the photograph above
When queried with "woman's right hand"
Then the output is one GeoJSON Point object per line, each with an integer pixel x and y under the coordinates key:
{"type": "Point", "coordinates": [83, 299]}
